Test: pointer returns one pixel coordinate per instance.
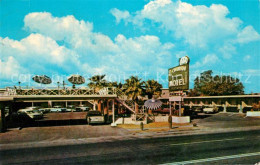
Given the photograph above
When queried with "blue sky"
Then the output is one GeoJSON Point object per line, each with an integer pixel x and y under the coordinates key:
{"type": "Point", "coordinates": [122, 38]}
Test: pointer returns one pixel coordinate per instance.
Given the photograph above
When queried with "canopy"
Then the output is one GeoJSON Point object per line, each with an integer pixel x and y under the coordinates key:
{"type": "Point", "coordinates": [76, 79]}
{"type": "Point", "coordinates": [153, 104]}
{"type": "Point", "coordinates": [43, 79]}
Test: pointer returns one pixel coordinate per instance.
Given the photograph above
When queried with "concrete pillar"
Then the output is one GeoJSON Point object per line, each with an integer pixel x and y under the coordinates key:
{"type": "Point", "coordinates": [113, 111]}
{"type": "Point", "coordinates": [94, 105]}
{"type": "Point", "coordinates": [80, 103]}
{"type": "Point", "coordinates": [225, 108]}
{"type": "Point", "coordinates": [66, 104]}
{"type": "Point", "coordinates": [49, 104]}
{"type": "Point", "coordinates": [240, 109]}
{"type": "Point", "coordinates": [32, 104]}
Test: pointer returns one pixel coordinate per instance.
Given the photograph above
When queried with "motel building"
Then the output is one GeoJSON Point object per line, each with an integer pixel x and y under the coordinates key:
{"type": "Point", "coordinates": [117, 107]}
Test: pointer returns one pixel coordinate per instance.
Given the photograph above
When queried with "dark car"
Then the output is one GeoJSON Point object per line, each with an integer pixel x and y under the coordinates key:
{"type": "Point", "coordinates": [95, 117]}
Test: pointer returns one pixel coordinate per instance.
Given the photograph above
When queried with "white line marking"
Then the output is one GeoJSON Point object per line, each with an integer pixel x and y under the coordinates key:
{"type": "Point", "coordinates": [216, 158]}
{"type": "Point", "coordinates": [205, 141]}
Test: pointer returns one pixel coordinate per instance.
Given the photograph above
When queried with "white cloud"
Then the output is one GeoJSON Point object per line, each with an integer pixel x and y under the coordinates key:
{"type": "Point", "coordinates": [209, 60]}
{"type": "Point", "coordinates": [10, 67]}
{"type": "Point", "coordinates": [78, 34]}
{"type": "Point", "coordinates": [83, 51]}
{"type": "Point", "coordinates": [248, 34]}
{"type": "Point", "coordinates": [120, 15]}
{"type": "Point", "coordinates": [37, 51]}
{"type": "Point", "coordinates": [198, 25]}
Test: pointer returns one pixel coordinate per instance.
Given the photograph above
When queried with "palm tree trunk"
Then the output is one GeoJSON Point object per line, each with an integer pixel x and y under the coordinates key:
{"type": "Point", "coordinates": [136, 107]}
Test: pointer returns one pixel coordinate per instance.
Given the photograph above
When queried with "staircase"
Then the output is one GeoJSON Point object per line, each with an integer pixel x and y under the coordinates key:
{"type": "Point", "coordinates": [121, 98]}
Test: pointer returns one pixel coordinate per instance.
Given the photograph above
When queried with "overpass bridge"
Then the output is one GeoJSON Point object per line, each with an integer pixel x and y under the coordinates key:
{"type": "Point", "coordinates": [103, 99]}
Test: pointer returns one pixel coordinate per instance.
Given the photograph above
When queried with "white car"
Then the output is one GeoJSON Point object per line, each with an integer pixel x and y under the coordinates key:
{"type": "Point", "coordinates": [31, 108]}
{"type": "Point", "coordinates": [44, 110]}
{"type": "Point", "coordinates": [95, 117]}
{"type": "Point", "coordinates": [57, 106]}
{"type": "Point", "coordinates": [34, 114]}
{"type": "Point", "coordinates": [55, 110]}
{"type": "Point", "coordinates": [210, 110]}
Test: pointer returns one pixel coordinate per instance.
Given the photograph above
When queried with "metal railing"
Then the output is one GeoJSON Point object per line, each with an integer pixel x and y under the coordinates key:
{"type": "Point", "coordinates": [57, 91]}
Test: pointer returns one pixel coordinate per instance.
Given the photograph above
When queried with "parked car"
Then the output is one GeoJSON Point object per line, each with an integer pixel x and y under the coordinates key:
{"type": "Point", "coordinates": [34, 114]}
{"type": "Point", "coordinates": [80, 109]}
{"type": "Point", "coordinates": [95, 117]}
{"type": "Point", "coordinates": [44, 110]}
{"type": "Point", "coordinates": [55, 110]}
{"type": "Point", "coordinates": [210, 110]}
{"type": "Point", "coordinates": [32, 108]}
{"type": "Point", "coordinates": [70, 108]}
{"type": "Point", "coordinates": [63, 109]}
{"type": "Point", "coordinates": [198, 109]}
{"type": "Point", "coordinates": [57, 106]}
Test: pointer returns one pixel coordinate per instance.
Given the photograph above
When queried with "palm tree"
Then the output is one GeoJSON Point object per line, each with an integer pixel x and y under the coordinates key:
{"type": "Point", "coordinates": [134, 89]}
{"type": "Point", "coordinates": [152, 88]}
{"type": "Point", "coordinates": [97, 82]}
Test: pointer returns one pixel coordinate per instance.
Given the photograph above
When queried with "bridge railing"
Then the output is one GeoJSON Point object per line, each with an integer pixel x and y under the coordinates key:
{"type": "Point", "coordinates": [59, 91]}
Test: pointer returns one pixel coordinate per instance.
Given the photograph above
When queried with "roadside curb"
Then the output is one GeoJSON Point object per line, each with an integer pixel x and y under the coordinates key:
{"type": "Point", "coordinates": [141, 135]}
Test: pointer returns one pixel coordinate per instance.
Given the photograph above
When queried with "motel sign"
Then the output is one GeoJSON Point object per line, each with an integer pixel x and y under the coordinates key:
{"type": "Point", "coordinates": [179, 76]}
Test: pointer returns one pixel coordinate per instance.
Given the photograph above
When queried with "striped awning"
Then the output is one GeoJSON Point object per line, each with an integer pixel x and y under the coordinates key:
{"type": "Point", "coordinates": [153, 104]}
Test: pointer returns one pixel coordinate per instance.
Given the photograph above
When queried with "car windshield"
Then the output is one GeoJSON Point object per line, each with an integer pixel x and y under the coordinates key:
{"type": "Point", "coordinates": [94, 113]}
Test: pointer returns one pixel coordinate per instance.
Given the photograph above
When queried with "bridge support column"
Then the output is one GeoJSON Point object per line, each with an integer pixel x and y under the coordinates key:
{"type": "Point", "coordinates": [50, 104]}
{"type": "Point", "coordinates": [94, 105]}
{"type": "Point", "coordinates": [3, 122]}
{"type": "Point", "coordinates": [113, 111]}
{"type": "Point", "coordinates": [240, 108]}
{"type": "Point", "coordinates": [106, 109]}
{"type": "Point", "coordinates": [66, 103]}
{"type": "Point", "coordinates": [225, 108]}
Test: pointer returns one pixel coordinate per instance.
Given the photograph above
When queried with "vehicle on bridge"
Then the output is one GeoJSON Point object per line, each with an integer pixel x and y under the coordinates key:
{"type": "Point", "coordinates": [95, 117]}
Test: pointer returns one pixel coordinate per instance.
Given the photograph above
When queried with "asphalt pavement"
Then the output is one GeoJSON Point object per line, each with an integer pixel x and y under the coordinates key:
{"type": "Point", "coordinates": [241, 147]}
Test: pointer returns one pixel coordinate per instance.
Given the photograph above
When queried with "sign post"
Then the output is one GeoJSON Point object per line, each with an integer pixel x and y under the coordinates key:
{"type": "Point", "coordinates": [179, 79]}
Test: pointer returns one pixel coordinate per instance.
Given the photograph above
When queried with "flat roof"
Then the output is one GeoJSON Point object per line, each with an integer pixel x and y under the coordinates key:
{"type": "Point", "coordinates": [227, 96]}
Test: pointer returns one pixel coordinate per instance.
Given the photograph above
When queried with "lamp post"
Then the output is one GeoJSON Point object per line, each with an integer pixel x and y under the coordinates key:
{"type": "Point", "coordinates": [63, 84]}
{"type": "Point", "coordinates": [19, 84]}
{"type": "Point", "coordinates": [58, 87]}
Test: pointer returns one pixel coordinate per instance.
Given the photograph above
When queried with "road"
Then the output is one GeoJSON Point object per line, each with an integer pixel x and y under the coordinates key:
{"type": "Point", "coordinates": [224, 148]}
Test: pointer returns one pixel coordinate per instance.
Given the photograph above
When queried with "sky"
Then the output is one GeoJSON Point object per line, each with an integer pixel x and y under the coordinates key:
{"type": "Point", "coordinates": [121, 38]}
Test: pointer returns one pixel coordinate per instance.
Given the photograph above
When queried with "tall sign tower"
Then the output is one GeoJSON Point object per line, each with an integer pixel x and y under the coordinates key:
{"type": "Point", "coordinates": [179, 75]}
{"type": "Point", "coordinates": [179, 80]}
